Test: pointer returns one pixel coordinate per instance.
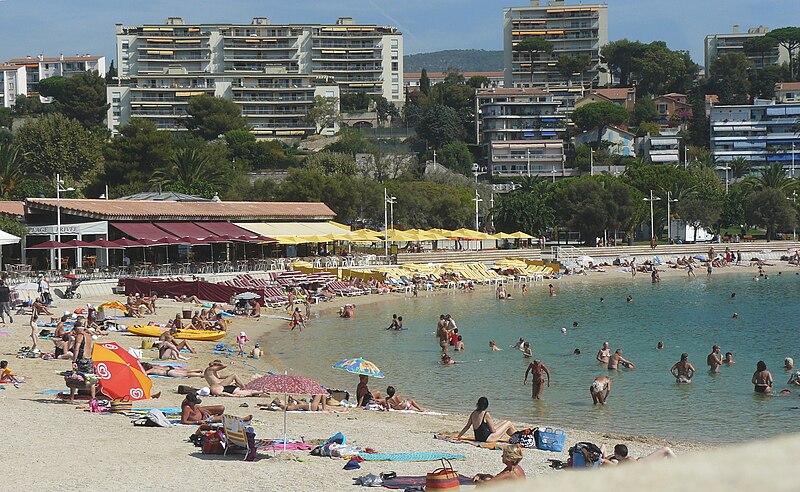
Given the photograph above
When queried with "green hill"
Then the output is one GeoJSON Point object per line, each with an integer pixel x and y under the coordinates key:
{"type": "Point", "coordinates": [463, 60]}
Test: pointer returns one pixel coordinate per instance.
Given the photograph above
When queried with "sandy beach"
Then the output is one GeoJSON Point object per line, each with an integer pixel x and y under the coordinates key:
{"type": "Point", "coordinates": [107, 450]}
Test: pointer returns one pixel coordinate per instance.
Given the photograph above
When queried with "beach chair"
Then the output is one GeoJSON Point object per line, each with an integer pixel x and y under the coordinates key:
{"type": "Point", "coordinates": [236, 435]}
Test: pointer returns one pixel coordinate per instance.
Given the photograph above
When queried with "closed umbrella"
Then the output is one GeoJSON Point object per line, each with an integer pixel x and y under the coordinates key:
{"type": "Point", "coordinates": [120, 373]}
{"type": "Point", "coordinates": [77, 243]}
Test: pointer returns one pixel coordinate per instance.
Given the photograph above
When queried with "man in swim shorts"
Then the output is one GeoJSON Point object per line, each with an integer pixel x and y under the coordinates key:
{"type": "Point", "coordinates": [600, 389]}
{"type": "Point", "coordinates": [714, 360]}
{"type": "Point", "coordinates": [683, 370]}
{"type": "Point", "coordinates": [442, 333]}
{"type": "Point", "coordinates": [615, 360]}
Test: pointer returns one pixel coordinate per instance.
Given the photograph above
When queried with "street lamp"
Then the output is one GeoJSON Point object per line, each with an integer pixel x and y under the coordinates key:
{"type": "Point", "coordinates": [554, 173]}
{"type": "Point", "coordinates": [651, 200]}
{"type": "Point", "coordinates": [669, 220]}
{"type": "Point", "coordinates": [792, 171]}
{"type": "Point", "coordinates": [591, 162]}
{"type": "Point", "coordinates": [59, 189]}
{"type": "Point", "coordinates": [794, 202]}
{"type": "Point", "coordinates": [477, 201]}
{"type": "Point", "coordinates": [726, 168]}
{"type": "Point", "coordinates": [387, 200]}
{"type": "Point", "coordinates": [528, 156]}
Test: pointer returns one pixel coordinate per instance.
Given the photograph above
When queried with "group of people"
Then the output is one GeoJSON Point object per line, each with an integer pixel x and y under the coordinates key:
{"type": "Point", "coordinates": [205, 319]}
{"type": "Point", "coordinates": [374, 399]}
{"type": "Point", "coordinates": [137, 303]}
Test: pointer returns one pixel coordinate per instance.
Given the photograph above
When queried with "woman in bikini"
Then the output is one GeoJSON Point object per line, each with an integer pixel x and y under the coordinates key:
{"type": "Point", "coordinates": [395, 402]}
{"type": "Point", "coordinates": [762, 379]}
{"type": "Point", "coordinates": [170, 371]}
{"type": "Point", "coordinates": [537, 370]}
{"type": "Point", "coordinates": [604, 353]}
{"type": "Point", "coordinates": [485, 429]}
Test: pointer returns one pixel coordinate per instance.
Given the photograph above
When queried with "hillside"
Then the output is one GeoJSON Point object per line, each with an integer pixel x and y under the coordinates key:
{"type": "Point", "coordinates": [463, 60]}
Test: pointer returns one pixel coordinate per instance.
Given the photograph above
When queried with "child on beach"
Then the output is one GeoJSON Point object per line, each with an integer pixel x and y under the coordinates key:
{"type": "Point", "coordinates": [241, 340]}
{"type": "Point", "coordinates": [256, 351]}
{"type": "Point", "coordinates": [6, 375]}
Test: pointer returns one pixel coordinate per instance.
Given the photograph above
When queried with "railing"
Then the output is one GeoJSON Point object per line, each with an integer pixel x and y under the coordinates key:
{"type": "Point", "coordinates": [567, 255]}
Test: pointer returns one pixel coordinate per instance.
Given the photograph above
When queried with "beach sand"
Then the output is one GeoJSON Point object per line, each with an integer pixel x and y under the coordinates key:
{"type": "Point", "coordinates": [49, 443]}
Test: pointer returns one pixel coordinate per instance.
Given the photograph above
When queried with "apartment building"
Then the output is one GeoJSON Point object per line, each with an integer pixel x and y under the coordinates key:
{"type": "Point", "coordinates": [521, 130]}
{"type": "Point", "coordinates": [664, 148]}
{"type": "Point", "coordinates": [40, 67]}
{"type": "Point", "coordinates": [272, 71]}
{"type": "Point", "coordinates": [13, 82]}
{"type": "Point", "coordinates": [573, 29]}
{"type": "Point", "coordinates": [733, 42]}
{"type": "Point", "coordinates": [761, 132]}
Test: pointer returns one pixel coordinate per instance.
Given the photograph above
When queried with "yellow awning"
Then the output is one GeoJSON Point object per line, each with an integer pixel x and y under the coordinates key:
{"type": "Point", "coordinates": [273, 229]}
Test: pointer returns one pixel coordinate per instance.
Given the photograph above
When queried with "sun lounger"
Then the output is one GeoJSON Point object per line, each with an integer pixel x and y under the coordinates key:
{"type": "Point", "coordinates": [236, 436]}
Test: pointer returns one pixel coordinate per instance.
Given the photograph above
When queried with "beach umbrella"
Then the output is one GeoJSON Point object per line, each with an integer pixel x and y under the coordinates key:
{"type": "Point", "coordinates": [521, 235]}
{"type": "Point", "coordinates": [102, 243]}
{"type": "Point", "coordinates": [76, 243]}
{"type": "Point", "coordinates": [504, 235]}
{"type": "Point", "coordinates": [286, 384]}
{"type": "Point", "coordinates": [128, 243]}
{"type": "Point", "coordinates": [113, 305]}
{"type": "Point", "coordinates": [50, 245]}
{"type": "Point", "coordinates": [359, 366]}
{"type": "Point", "coordinates": [120, 373]}
{"type": "Point", "coordinates": [247, 296]}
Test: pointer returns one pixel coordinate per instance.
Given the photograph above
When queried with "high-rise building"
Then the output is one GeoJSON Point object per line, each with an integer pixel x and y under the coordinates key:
{"type": "Point", "coordinates": [572, 29]}
{"type": "Point", "coordinates": [722, 44]}
{"type": "Point", "coordinates": [273, 72]}
{"type": "Point", "coordinates": [22, 75]}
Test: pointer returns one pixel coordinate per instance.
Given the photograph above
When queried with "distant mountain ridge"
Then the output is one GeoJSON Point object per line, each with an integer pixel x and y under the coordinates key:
{"type": "Point", "coordinates": [463, 60]}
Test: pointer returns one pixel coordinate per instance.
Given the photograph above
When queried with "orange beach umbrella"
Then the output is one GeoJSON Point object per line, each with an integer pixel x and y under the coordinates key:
{"type": "Point", "coordinates": [120, 373]}
{"type": "Point", "coordinates": [113, 305]}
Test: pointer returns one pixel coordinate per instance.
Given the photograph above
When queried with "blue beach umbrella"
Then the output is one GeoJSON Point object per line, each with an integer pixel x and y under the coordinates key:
{"type": "Point", "coordinates": [359, 366]}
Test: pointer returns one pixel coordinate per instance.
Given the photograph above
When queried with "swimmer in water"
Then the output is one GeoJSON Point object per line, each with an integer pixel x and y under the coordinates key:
{"type": "Point", "coordinates": [630, 299]}
{"type": "Point", "coordinates": [615, 360]}
{"type": "Point", "coordinates": [552, 290]}
{"type": "Point", "coordinates": [577, 351]}
{"type": "Point", "coordinates": [574, 324]}
{"type": "Point", "coordinates": [526, 350]}
{"type": "Point", "coordinates": [600, 389]}
{"type": "Point", "coordinates": [683, 370]}
{"type": "Point", "coordinates": [735, 316]}
{"type": "Point", "coordinates": [762, 379]}
{"type": "Point", "coordinates": [660, 345]}
{"type": "Point", "coordinates": [447, 360]}
{"type": "Point", "coordinates": [713, 360]}
{"type": "Point", "coordinates": [538, 370]}
{"type": "Point", "coordinates": [519, 344]}
{"type": "Point", "coordinates": [729, 359]}
{"type": "Point", "coordinates": [493, 346]}
{"type": "Point", "coordinates": [604, 353]}
{"type": "Point", "coordinates": [602, 299]}
{"type": "Point", "coordinates": [733, 295]}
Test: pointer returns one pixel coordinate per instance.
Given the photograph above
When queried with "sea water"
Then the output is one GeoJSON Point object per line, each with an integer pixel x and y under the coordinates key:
{"type": "Point", "coordinates": [688, 315]}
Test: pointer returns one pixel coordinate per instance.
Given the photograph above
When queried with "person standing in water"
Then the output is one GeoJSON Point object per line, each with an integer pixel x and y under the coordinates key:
{"type": "Point", "coordinates": [714, 360]}
{"type": "Point", "coordinates": [615, 360]}
{"type": "Point", "coordinates": [552, 290]}
{"type": "Point", "coordinates": [538, 370]}
{"type": "Point", "coordinates": [604, 353]}
{"type": "Point", "coordinates": [600, 389]}
{"type": "Point", "coordinates": [683, 370]}
{"type": "Point", "coordinates": [762, 379]}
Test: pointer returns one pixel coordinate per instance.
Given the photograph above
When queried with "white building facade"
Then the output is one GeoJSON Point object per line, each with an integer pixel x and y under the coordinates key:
{"type": "Point", "coordinates": [733, 42]}
{"type": "Point", "coordinates": [573, 29]}
{"type": "Point", "coordinates": [13, 82]}
{"type": "Point", "coordinates": [273, 72]}
{"type": "Point", "coordinates": [40, 67]}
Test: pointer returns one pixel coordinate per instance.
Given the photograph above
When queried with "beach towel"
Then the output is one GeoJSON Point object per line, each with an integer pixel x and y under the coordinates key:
{"type": "Point", "coordinates": [49, 392]}
{"type": "Point", "coordinates": [471, 442]}
{"type": "Point", "coordinates": [165, 411]}
{"type": "Point", "coordinates": [290, 446]}
{"type": "Point", "coordinates": [407, 482]}
{"type": "Point", "coordinates": [156, 376]}
{"type": "Point", "coordinates": [173, 364]}
{"type": "Point", "coordinates": [420, 456]}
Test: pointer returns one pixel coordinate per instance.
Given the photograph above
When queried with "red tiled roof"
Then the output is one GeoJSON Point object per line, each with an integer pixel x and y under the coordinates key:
{"type": "Point", "coordinates": [614, 93]}
{"type": "Point", "coordinates": [787, 86]}
{"type": "Point", "coordinates": [515, 91]}
{"type": "Point", "coordinates": [15, 209]}
{"type": "Point", "coordinates": [163, 210]}
{"type": "Point", "coordinates": [9, 67]}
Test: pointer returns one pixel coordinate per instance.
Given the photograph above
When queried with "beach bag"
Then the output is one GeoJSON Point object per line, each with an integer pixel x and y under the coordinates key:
{"type": "Point", "coordinates": [444, 478]}
{"type": "Point", "coordinates": [121, 406]}
{"type": "Point", "coordinates": [525, 438]}
{"type": "Point", "coordinates": [551, 439]}
{"type": "Point", "coordinates": [584, 455]}
{"type": "Point", "coordinates": [154, 418]}
{"type": "Point", "coordinates": [212, 444]}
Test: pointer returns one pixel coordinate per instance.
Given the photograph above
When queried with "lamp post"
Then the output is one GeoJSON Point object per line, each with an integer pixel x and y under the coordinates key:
{"type": "Point", "coordinates": [554, 173]}
{"type": "Point", "coordinates": [651, 200]}
{"type": "Point", "coordinates": [726, 168]}
{"type": "Point", "coordinates": [528, 157]}
{"type": "Point", "coordinates": [477, 201]}
{"type": "Point", "coordinates": [591, 162]}
{"type": "Point", "coordinates": [386, 202]}
{"type": "Point", "coordinates": [794, 202]}
{"type": "Point", "coordinates": [792, 171]}
{"type": "Point", "coordinates": [670, 200]}
{"type": "Point", "coordinates": [59, 189]}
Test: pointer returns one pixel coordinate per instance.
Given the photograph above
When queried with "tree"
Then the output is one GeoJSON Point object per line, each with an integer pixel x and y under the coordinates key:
{"type": "Point", "coordinates": [210, 117]}
{"type": "Point", "coordinates": [111, 73]}
{"type": "Point", "coordinates": [385, 110]}
{"type": "Point", "coordinates": [356, 102]}
{"type": "Point", "coordinates": [592, 204]}
{"type": "Point", "coordinates": [191, 172]}
{"type": "Point", "coordinates": [770, 209]}
{"type": "Point", "coordinates": [740, 167]}
{"type": "Point", "coordinates": [351, 141]}
{"type": "Point", "coordinates": [534, 44]}
{"type": "Point", "coordinates": [772, 177]}
{"type": "Point", "coordinates": [331, 163]}
{"type": "Point", "coordinates": [325, 113]}
{"type": "Point", "coordinates": [644, 111]}
{"type": "Point", "coordinates": [619, 56]}
{"type": "Point", "coordinates": [789, 38]}
{"type": "Point", "coordinates": [478, 81]}
{"type": "Point", "coordinates": [528, 209]}
{"type": "Point", "coordinates": [728, 78]}
{"type": "Point", "coordinates": [568, 66]}
{"type": "Point", "coordinates": [660, 70]}
{"type": "Point", "coordinates": [648, 127]}
{"type": "Point", "coordinates": [699, 211]}
{"type": "Point", "coordinates": [81, 97]}
{"type": "Point", "coordinates": [11, 169]}
{"type": "Point", "coordinates": [56, 144]}
{"type": "Point", "coordinates": [6, 118]}
{"type": "Point", "coordinates": [29, 106]}
{"type": "Point", "coordinates": [760, 46]}
{"type": "Point", "coordinates": [598, 115]}
{"type": "Point", "coordinates": [137, 152]}
{"type": "Point", "coordinates": [457, 157]}
{"type": "Point", "coordinates": [762, 82]}
{"type": "Point", "coordinates": [425, 83]}
{"type": "Point", "coordinates": [439, 126]}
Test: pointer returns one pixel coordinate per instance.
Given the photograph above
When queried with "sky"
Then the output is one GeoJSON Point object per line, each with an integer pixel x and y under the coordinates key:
{"type": "Point", "coordinates": [29, 27]}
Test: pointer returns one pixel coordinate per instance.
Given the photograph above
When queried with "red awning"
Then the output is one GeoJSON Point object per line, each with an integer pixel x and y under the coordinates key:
{"type": "Point", "coordinates": [140, 230]}
{"type": "Point", "coordinates": [184, 229]}
{"type": "Point", "coordinates": [225, 229]}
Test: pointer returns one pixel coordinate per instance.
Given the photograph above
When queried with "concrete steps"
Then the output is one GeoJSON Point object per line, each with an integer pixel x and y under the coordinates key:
{"type": "Point", "coordinates": [463, 256]}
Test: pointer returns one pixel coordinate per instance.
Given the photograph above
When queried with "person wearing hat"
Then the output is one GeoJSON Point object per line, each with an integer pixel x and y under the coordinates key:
{"type": "Point", "coordinates": [241, 340]}
{"type": "Point", "coordinates": [193, 414]}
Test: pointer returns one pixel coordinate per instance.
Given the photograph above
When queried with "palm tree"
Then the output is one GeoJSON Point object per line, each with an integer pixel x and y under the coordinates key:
{"type": "Point", "coordinates": [531, 45]}
{"type": "Point", "coordinates": [772, 177]}
{"type": "Point", "coordinates": [189, 170]}
{"type": "Point", "coordinates": [11, 170]}
{"type": "Point", "coordinates": [740, 167]}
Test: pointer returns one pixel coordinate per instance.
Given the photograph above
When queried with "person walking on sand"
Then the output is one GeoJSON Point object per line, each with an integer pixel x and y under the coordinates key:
{"type": "Point", "coordinates": [297, 320]}
{"type": "Point", "coordinates": [683, 370]}
{"type": "Point", "coordinates": [600, 389]}
{"type": "Point", "coordinates": [5, 305]}
{"type": "Point", "coordinates": [615, 360]}
{"type": "Point", "coordinates": [714, 360]}
{"type": "Point", "coordinates": [34, 326]}
{"type": "Point", "coordinates": [538, 370]}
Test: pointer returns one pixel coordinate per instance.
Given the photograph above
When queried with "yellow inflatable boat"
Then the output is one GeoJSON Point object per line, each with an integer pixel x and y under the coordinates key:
{"type": "Point", "coordinates": [156, 331]}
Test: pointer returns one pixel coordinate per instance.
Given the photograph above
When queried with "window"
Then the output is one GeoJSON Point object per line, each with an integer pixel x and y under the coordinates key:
{"type": "Point", "coordinates": [115, 98]}
{"type": "Point", "coordinates": [395, 88]}
{"type": "Point", "coordinates": [395, 43]}
{"type": "Point", "coordinates": [329, 94]}
{"type": "Point", "coordinates": [395, 66]}
{"type": "Point", "coordinates": [395, 54]}
{"type": "Point", "coordinates": [662, 108]}
{"type": "Point", "coordinates": [395, 77]}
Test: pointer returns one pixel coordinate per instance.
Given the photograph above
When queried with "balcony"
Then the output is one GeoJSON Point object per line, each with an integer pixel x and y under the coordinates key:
{"type": "Point", "coordinates": [524, 159]}
{"type": "Point", "coordinates": [271, 100]}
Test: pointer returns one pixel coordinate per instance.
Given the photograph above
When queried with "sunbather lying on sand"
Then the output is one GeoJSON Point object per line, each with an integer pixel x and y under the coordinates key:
{"type": "Point", "coordinates": [170, 371]}
{"type": "Point", "coordinates": [620, 455]}
{"type": "Point", "coordinates": [318, 403]}
{"type": "Point", "coordinates": [229, 385]}
{"type": "Point", "coordinates": [395, 402]}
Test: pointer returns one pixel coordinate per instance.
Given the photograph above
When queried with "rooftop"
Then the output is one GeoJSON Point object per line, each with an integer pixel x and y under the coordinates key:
{"type": "Point", "coordinates": [31, 59]}
{"type": "Point", "coordinates": [15, 209]}
{"type": "Point", "coordinates": [171, 210]}
{"type": "Point", "coordinates": [441, 75]}
{"type": "Point", "coordinates": [512, 91]}
{"type": "Point", "coordinates": [787, 86]}
{"type": "Point", "coordinates": [614, 93]}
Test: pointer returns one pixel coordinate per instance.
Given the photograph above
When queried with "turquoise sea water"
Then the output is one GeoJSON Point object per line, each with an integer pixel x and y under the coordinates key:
{"type": "Point", "coordinates": [688, 315]}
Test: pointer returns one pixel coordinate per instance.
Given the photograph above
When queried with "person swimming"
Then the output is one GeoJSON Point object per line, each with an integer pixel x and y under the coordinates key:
{"type": "Point", "coordinates": [493, 346]}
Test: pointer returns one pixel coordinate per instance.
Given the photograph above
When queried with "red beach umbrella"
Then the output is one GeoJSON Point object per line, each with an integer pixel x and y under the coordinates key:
{"type": "Point", "coordinates": [121, 375]}
{"type": "Point", "coordinates": [50, 245]}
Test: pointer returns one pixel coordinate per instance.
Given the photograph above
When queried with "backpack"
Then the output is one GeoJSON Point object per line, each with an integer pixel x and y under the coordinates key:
{"type": "Point", "coordinates": [154, 418]}
{"type": "Point", "coordinates": [526, 438]}
{"type": "Point", "coordinates": [584, 454]}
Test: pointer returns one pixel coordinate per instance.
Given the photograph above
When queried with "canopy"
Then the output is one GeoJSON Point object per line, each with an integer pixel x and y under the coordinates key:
{"type": "Point", "coordinates": [227, 229]}
{"type": "Point", "coordinates": [272, 229]}
{"type": "Point", "coordinates": [183, 229]}
{"type": "Point", "coordinates": [521, 235]}
{"type": "Point", "coordinates": [127, 243]}
{"type": "Point", "coordinates": [50, 245]}
{"type": "Point", "coordinates": [75, 243]}
{"type": "Point", "coordinates": [6, 238]}
{"type": "Point", "coordinates": [504, 235]}
{"type": "Point", "coordinates": [102, 243]}
{"type": "Point", "coordinates": [140, 230]}
{"type": "Point", "coordinates": [471, 234]}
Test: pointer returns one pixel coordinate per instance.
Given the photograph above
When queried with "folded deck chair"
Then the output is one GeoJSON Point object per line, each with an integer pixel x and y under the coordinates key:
{"type": "Point", "coordinates": [235, 434]}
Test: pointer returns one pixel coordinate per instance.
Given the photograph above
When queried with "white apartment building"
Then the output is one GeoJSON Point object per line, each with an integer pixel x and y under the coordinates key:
{"type": "Point", "coordinates": [521, 131]}
{"type": "Point", "coordinates": [664, 148]}
{"type": "Point", "coordinates": [272, 71]}
{"type": "Point", "coordinates": [39, 68]}
{"type": "Point", "coordinates": [733, 42]}
{"type": "Point", "coordinates": [573, 29]}
{"type": "Point", "coordinates": [761, 133]}
{"type": "Point", "coordinates": [12, 83]}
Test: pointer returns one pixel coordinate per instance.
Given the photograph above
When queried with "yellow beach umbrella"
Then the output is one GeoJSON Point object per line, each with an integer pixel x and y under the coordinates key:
{"type": "Point", "coordinates": [504, 235]}
{"type": "Point", "coordinates": [521, 235]}
{"type": "Point", "coordinates": [471, 234]}
{"type": "Point", "coordinates": [288, 239]}
{"type": "Point", "coordinates": [446, 234]}
{"type": "Point", "coordinates": [319, 238]}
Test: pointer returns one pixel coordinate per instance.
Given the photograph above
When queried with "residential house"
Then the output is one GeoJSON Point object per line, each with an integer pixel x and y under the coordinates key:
{"type": "Point", "coordinates": [673, 109]}
{"type": "Point", "coordinates": [621, 96]}
{"type": "Point", "coordinates": [787, 92]}
{"type": "Point", "coordinates": [623, 142]}
{"type": "Point", "coordinates": [664, 148]}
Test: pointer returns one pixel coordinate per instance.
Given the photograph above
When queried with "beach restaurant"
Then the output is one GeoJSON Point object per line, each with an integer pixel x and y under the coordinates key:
{"type": "Point", "coordinates": [143, 234]}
